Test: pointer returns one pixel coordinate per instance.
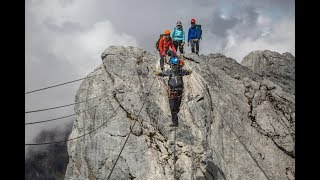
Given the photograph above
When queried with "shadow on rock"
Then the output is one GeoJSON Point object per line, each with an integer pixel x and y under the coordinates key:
{"type": "Point", "coordinates": [213, 172]}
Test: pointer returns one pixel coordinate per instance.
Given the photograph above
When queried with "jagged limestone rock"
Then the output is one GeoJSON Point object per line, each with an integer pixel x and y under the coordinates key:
{"type": "Point", "coordinates": [276, 67]}
{"type": "Point", "coordinates": [231, 117]}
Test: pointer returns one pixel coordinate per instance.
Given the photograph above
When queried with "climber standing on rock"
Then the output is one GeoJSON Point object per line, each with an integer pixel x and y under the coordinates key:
{"type": "Point", "coordinates": [165, 43]}
{"type": "Point", "coordinates": [178, 37]}
{"type": "Point", "coordinates": [194, 36]}
{"type": "Point", "coordinates": [175, 86]}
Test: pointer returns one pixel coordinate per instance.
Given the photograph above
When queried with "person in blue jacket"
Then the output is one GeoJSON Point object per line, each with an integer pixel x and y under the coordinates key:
{"type": "Point", "coordinates": [194, 35]}
{"type": "Point", "coordinates": [178, 37]}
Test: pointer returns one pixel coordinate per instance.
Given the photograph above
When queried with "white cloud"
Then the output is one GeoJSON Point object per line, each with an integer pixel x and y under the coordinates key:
{"type": "Point", "coordinates": [280, 37]}
{"type": "Point", "coordinates": [264, 20]}
{"type": "Point", "coordinates": [80, 47]}
{"type": "Point", "coordinates": [83, 49]}
{"type": "Point", "coordinates": [79, 11]}
{"type": "Point", "coordinates": [54, 55]}
{"type": "Point", "coordinates": [231, 42]}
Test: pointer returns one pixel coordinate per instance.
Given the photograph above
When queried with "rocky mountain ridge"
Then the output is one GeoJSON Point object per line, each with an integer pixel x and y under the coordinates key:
{"type": "Point", "coordinates": [236, 121]}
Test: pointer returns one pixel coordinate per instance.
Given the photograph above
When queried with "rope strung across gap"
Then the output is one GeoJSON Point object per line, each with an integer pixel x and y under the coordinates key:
{"type": "Point", "coordinates": [41, 89]}
{"type": "Point", "coordinates": [114, 165]}
{"type": "Point", "coordinates": [63, 141]}
{"type": "Point", "coordinates": [46, 109]}
{"type": "Point", "coordinates": [54, 119]}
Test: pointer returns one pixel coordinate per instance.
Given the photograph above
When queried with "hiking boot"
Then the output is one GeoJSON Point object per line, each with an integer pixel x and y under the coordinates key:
{"type": "Point", "coordinates": [174, 124]}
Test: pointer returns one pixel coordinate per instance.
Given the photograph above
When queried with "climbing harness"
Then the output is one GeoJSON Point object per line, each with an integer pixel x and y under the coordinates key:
{"type": "Point", "coordinates": [173, 94]}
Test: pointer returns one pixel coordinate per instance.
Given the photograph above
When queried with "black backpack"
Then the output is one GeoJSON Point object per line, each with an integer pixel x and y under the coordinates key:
{"type": "Point", "coordinates": [199, 26]}
{"type": "Point", "coordinates": [175, 81]}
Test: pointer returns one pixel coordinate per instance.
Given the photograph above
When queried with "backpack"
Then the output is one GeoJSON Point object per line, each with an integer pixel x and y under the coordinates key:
{"type": "Point", "coordinates": [175, 82]}
{"type": "Point", "coordinates": [199, 26]}
{"type": "Point", "coordinates": [157, 43]}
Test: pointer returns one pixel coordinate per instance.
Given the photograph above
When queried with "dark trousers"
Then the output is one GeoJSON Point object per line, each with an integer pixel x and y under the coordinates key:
{"type": "Point", "coordinates": [169, 53]}
{"type": "Point", "coordinates": [177, 44]}
{"type": "Point", "coordinates": [175, 107]}
{"type": "Point", "coordinates": [193, 43]}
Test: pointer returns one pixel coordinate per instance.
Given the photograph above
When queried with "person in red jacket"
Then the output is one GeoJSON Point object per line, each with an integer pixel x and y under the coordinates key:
{"type": "Point", "coordinates": [165, 44]}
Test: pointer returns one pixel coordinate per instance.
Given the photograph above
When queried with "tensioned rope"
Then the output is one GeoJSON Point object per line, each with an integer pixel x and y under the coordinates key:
{"type": "Point", "coordinates": [48, 87]}
{"type": "Point", "coordinates": [62, 141]}
{"type": "Point", "coordinates": [54, 119]}
{"type": "Point", "coordinates": [236, 134]}
{"type": "Point", "coordinates": [66, 105]}
{"type": "Point", "coordinates": [63, 117]}
{"type": "Point", "coordinates": [148, 93]}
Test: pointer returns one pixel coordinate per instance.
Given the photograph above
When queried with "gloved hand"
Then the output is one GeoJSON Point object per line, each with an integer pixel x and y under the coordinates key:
{"type": "Point", "coordinates": [182, 44]}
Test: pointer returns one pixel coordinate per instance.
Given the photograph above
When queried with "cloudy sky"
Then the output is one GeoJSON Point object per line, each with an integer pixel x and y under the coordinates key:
{"type": "Point", "coordinates": [65, 38]}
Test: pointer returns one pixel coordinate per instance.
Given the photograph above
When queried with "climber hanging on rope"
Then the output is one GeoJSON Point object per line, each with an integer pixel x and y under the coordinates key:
{"type": "Point", "coordinates": [163, 45]}
{"type": "Point", "coordinates": [175, 86]}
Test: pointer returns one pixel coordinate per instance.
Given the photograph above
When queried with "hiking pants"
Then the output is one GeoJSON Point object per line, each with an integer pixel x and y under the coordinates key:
{"type": "Point", "coordinates": [177, 44]}
{"type": "Point", "coordinates": [169, 53]}
{"type": "Point", "coordinates": [193, 43]}
{"type": "Point", "coordinates": [175, 107]}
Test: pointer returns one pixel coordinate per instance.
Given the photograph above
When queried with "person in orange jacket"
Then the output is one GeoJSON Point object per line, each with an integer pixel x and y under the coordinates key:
{"type": "Point", "coordinates": [165, 44]}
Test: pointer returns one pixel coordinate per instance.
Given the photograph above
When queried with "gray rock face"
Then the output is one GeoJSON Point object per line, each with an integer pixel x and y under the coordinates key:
{"type": "Point", "coordinates": [278, 68]}
{"type": "Point", "coordinates": [235, 121]}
